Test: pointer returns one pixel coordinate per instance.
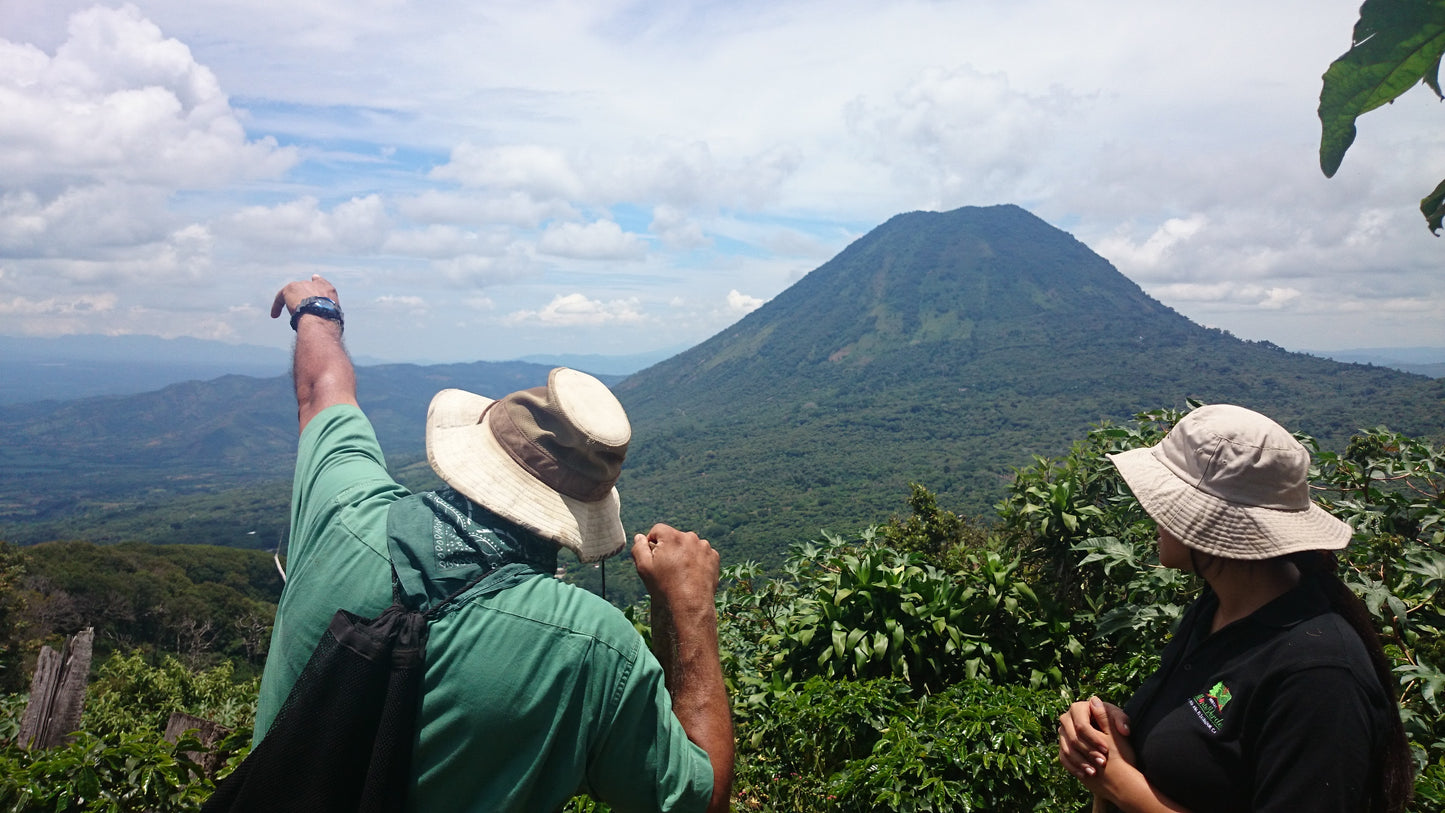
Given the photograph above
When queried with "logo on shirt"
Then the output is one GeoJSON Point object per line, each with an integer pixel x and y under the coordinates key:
{"type": "Point", "coordinates": [1209, 706]}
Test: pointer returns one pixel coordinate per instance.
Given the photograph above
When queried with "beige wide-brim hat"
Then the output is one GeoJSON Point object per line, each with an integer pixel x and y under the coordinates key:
{"type": "Point", "coordinates": [1230, 482]}
{"type": "Point", "coordinates": [546, 458]}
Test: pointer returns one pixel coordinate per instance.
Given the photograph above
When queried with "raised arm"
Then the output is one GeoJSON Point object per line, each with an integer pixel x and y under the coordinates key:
{"type": "Point", "coordinates": [680, 571]}
{"type": "Point", "coordinates": [321, 368]}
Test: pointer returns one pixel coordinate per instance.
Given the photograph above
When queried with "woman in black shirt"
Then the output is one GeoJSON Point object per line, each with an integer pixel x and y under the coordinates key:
{"type": "Point", "coordinates": [1271, 695]}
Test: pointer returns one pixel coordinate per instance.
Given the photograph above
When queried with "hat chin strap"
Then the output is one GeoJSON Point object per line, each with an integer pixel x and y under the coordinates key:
{"type": "Point", "coordinates": [482, 418]}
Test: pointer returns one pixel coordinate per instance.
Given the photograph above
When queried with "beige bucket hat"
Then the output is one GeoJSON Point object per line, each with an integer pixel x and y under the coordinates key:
{"type": "Point", "coordinates": [1230, 482]}
{"type": "Point", "coordinates": [546, 458]}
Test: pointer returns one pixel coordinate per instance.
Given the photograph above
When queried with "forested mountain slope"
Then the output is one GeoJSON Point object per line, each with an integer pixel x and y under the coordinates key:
{"type": "Point", "coordinates": [124, 453]}
{"type": "Point", "coordinates": [947, 348]}
{"type": "Point", "coordinates": [940, 348]}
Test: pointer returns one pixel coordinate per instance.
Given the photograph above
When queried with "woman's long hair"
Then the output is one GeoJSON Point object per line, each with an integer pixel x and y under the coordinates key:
{"type": "Point", "coordinates": [1394, 785]}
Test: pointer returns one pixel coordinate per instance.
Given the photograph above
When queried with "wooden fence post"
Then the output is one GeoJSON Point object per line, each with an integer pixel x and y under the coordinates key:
{"type": "Point", "coordinates": [207, 732]}
{"type": "Point", "coordinates": [57, 693]}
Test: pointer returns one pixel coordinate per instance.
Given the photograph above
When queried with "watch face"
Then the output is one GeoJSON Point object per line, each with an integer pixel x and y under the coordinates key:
{"type": "Point", "coordinates": [323, 305]}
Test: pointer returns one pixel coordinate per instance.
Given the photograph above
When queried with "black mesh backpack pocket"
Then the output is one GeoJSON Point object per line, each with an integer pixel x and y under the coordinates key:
{"type": "Point", "coordinates": [342, 741]}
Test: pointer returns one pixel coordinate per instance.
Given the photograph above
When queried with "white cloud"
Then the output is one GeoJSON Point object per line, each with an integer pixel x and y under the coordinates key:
{"type": "Point", "coordinates": [57, 316]}
{"type": "Point", "coordinates": [479, 271]}
{"type": "Point", "coordinates": [539, 172]}
{"type": "Point", "coordinates": [1152, 258]}
{"type": "Point", "coordinates": [574, 310]}
{"type": "Point", "coordinates": [676, 230]}
{"type": "Point", "coordinates": [437, 242]}
{"type": "Point", "coordinates": [689, 174]}
{"type": "Point", "coordinates": [513, 208]}
{"type": "Point", "coordinates": [1232, 293]}
{"type": "Point", "coordinates": [441, 150]}
{"type": "Point", "coordinates": [961, 132]}
{"type": "Point", "coordinates": [600, 240]}
{"type": "Point", "coordinates": [413, 306]}
{"type": "Point", "coordinates": [57, 306]}
{"type": "Point", "coordinates": [359, 224]}
{"type": "Point", "coordinates": [741, 303]}
{"type": "Point", "coordinates": [679, 174]}
{"type": "Point", "coordinates": [120, 99]}
{"type": "Point", "coordinates": [1277, 298]}
{"type": "Point", "coordinates": [413, 302]}
{"type": "Point", "coordinates": [89, 222]}
{"type": "Point", "coordinates": [166, 260]}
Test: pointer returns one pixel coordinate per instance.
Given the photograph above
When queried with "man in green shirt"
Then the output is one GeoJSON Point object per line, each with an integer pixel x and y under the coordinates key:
{"type": "Point", "coordinates": [534, 690]}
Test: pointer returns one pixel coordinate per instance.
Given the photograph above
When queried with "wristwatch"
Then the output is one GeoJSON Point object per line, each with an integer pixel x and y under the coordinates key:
{"type": "Point", "coordinates": [318, 306]}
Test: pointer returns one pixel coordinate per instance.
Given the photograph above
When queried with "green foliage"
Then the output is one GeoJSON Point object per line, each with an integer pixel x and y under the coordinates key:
{"type": "Point", "coordinates": [134, 771]}
{"type": "Point", "coordinates": [942, 537]}
{"type": "Point", "coordinates": [871, 745]}
{"type": "Point", "coordinates": [1146, 601]}
{"type": "Point", "coordinates": [120, 760]}
{"type": "Point", "coordinates": [1396, 45]}
{"type": "Point", "coordinates": [1430, 787]}
{"type": "Point", "coordinates": [1056, 503]}
{"type": "Point", "coordinates": [975, 747]}
{"type": "Point", "coordinates": [202, 603]}
{"type": "Point", "coordinates": [1391, 488]}
{"type": "Point", "coordinates": [1084, 534]}
{"type": "Point", "coordinates": [919, 666]}
{"type": "Point", "coordinates": [12, 610]}
{"type": "Point", "coordinates": [583, 804]}
{"type": "Point", "coordinates": [789, 751]}
{"type": "Point", "coordinates": [130, 694]}
{"type": "Point", "coordinates": [860, 610]}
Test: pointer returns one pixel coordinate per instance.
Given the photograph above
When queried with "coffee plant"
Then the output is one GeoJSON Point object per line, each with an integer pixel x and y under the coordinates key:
{"type": "Point", "coordinates": [916, 666]}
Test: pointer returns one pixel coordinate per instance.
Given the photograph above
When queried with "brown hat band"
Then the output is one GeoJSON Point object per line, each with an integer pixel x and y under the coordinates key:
{"type": "Point", "coordinates": [541, 443]}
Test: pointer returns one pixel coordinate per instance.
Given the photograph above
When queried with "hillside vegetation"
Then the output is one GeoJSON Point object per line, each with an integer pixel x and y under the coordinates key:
{"type": "Point", "coordinates": [105, 457]}
{"type": "Point", "coordinates": [918, 664]}
{"type": "Point", "coordinates": [945, 348]}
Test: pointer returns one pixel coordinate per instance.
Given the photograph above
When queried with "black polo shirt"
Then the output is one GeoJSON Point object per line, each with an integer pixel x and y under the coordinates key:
{"type": "Point", "coordinates": [1279, 711]}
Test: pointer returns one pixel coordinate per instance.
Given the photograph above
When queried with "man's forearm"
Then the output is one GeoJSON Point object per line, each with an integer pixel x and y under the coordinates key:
{"type": "Point", "coordinates": [322, 370]}
{"type": "Point", "coordinates": [687, 648]}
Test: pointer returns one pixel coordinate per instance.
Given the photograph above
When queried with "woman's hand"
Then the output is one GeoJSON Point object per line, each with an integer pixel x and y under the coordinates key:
{"type": "Point", "coordinates": [1094, 746]}
{"type": "Point", "coordinates": [1087, 737]}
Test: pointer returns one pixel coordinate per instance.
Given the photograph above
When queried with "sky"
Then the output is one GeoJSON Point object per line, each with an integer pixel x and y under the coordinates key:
{"type": "Point", "coordinates": [487, 180]}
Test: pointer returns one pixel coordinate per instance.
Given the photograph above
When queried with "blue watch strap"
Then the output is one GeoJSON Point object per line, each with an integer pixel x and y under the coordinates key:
{"type": "Point", "coordinates": [318, 306]}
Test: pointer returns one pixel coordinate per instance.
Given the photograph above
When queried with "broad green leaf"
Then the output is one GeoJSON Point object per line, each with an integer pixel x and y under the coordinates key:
{"type": "Point", "coordinates": [1432, 206]}
{"type": "Point", "coordinates": [1430, 565]}
{"type": "Point", "coordinates": [1396, 45]}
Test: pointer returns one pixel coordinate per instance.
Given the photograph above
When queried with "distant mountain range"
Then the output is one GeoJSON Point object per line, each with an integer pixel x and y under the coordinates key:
{"type": "Point", "coordinates": [68, 367]}
{"type": "Point", "coordinates": [1419, 360]}
{"type": "Point", "coordinates": [941, 348]}
{"type": "Point", "coordinates": [112, 454]}
{"type": "Point", "coordinates": [605, 365]}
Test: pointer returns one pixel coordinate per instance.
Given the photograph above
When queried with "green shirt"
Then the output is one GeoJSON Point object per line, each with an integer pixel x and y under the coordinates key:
{"type": "Point", "coordinates": [535, 689]}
